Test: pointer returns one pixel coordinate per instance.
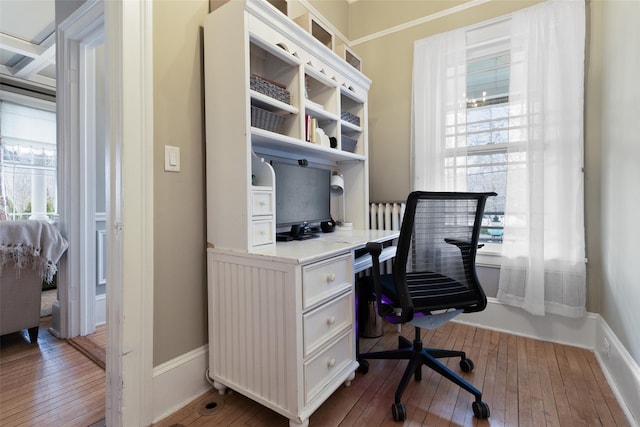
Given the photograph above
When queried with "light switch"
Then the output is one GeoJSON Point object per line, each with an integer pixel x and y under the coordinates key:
{"type": "Point", "coordinates": [171, 158]}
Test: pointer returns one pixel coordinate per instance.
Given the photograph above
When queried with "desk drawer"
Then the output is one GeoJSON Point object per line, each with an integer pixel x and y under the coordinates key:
{"type": "Point", "coordinates": [326, 321]}
{"type": "Point", "coordinates": [262, 232]}
{"type": "Point", "coordinates": [324, 279]}
{"type": "Point", "coordinates": [322, 369]}
{"type": "Point", "coordinates": [262, 203]}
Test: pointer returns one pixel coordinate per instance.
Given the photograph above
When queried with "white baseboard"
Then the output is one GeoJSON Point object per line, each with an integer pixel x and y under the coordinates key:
{"type": "Point", "coordinates": [100, 310]}
{"type": "Point", "coordinates": [590, 332]}
{"type": "Point", "coordinates": [621, 371]}
{"type": "Point", "coordinates": [178, 382]}
{"type": "Point", "coordinates": [500, 317]}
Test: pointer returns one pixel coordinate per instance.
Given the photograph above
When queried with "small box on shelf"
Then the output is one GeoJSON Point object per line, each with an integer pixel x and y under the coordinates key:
{"type": "Point", "coordinates": [316, 29]}
{"type": "Point", "coordinates": [349, 56]}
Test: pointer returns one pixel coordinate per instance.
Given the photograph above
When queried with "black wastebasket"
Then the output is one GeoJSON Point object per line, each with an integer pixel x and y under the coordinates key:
{"type": "Point", "coordinates": [369, 322]}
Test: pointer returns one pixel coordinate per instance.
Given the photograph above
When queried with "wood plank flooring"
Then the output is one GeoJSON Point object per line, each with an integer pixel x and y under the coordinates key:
{"type": "Point", "coordinates": [48, 384]}
{"type": "Point", "coordinates": [526, 382]}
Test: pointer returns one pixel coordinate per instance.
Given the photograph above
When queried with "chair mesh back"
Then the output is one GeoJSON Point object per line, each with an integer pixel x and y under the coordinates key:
{"type": "Point", "coordinates": [437, 250]}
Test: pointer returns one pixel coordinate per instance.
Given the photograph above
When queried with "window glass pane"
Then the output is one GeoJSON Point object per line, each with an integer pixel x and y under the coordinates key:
{"type": "Point", "coordinates": [28, 162]}
{"type": "Point", "coordinates": [487, 135]}
{"type": "Point", "coordinates": [488, 80]}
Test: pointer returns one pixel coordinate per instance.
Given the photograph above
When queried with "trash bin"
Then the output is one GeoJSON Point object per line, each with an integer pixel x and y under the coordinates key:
{"type": "Point", "coordinates": [369, 322]}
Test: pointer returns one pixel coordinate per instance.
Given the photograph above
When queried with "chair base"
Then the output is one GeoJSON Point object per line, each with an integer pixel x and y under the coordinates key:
{"type": "Point", "coordinates": [419, 356]}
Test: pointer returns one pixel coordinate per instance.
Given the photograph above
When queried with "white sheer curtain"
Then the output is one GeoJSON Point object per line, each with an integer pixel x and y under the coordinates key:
{"type": "Point", "coordinates": [439, 113]}
{"type": "Point", "coordinates": [543, 267]}
{"type": "Point", "coordinates": [543, 253]}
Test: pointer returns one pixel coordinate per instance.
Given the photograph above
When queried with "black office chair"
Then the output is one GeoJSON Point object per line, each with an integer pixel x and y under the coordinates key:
{"type": "Point", "coordinates": [434, 279]}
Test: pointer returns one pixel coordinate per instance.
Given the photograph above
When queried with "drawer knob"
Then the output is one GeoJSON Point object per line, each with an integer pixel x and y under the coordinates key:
{"type": "Point", "coordinates": [331, 362]}
{"type": "Point", "coordinates": [331, 277]}
{"type": "Point", "coordinates": [331, 321]}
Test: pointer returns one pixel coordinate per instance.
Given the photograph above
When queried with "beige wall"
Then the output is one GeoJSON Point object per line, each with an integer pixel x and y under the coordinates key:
{"type": "Point", "coordinates": [620, 127]}
{"type": "Point", "coordinates": [180, 290]}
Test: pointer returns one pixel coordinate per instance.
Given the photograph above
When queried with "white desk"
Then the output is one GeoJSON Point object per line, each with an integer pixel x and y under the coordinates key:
{"type": "Point", "coordinates": [282, 320]}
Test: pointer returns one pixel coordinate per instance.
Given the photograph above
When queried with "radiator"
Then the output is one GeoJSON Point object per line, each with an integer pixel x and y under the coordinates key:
{"type": "Point", "coordinates": [386, 215]}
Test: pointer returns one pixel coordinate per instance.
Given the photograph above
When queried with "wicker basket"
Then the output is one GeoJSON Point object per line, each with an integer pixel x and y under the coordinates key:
{"type": "Point", "coordinates": [266, 120]}
{"type": "Point", "coordinates": [350, 118]}
{"type": "Point", "coordinates": [270, 88]}
{"type": "Point", "coordinates": [348, 143]}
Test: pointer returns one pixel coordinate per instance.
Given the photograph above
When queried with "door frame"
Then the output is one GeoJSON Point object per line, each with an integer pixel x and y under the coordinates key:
{"type": "Point", "coordinates": [77, 36]}
{"type": "Point", "coordinates": [129, 124]}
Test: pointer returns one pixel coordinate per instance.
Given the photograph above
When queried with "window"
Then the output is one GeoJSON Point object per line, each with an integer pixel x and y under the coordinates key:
{"type": "Point", "coordinates": [499, 106]}
{"type": "Point", "coordinates": [28, 161]}
{"type": "Point", "coordinates": [476, 130]}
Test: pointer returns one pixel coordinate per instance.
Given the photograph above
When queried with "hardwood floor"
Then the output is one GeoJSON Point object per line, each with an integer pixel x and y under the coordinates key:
{"type": "Point", "coordinates": [48, 384]}
{"type": "Point", "coordinates": [525, 382]}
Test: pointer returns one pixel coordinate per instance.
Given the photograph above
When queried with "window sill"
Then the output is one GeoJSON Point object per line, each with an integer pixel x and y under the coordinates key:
{"type": "Point", "coordinates": [490, 255]}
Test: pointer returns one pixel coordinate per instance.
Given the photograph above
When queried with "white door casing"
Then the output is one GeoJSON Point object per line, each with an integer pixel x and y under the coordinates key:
{"type": "Point", "coordinates": [78, 36]}
{"type": "Point", "coordinates": [129, 124]}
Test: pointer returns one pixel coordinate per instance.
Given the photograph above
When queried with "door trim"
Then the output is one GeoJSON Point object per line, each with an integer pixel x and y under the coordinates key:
{"type": "Point", "coordinates": [129, 124]}
{"type": "Point", "coordinates": [77, 37]}
{"type": "Point", "coordinates": [129, 46]}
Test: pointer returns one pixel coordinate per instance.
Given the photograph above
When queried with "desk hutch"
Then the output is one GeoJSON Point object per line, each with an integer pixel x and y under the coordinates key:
{"type": "Point", "coordinates": [281, 315]}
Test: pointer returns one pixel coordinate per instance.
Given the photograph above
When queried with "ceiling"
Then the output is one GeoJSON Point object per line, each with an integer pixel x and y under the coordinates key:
{"type": "Point", "coordinates": [28, 43]}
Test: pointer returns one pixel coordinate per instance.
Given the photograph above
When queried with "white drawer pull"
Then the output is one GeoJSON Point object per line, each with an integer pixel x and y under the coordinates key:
{"type": "Point", "coordinates": [331, 277]}
{"type": "Point", "coordinates": [331, 321]}
{"type": "Point", "coordinates": [331, 362]}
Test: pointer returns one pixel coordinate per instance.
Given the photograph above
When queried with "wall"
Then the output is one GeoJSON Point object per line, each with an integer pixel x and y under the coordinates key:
{"type": "Point", "coordinates": [620, 171]}
{"type": "Point", "coordinates": [180, 291]}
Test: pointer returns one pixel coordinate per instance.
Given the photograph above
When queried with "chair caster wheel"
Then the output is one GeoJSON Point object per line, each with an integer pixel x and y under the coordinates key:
{"type": "Point", "coordinates": [480, 410]}
{"type": "Point", "coordinates": [466, 365]}
{"type": "Point", "coordinates": [399, 412]}
{"type": "Point", "coordinates": [364, 366]}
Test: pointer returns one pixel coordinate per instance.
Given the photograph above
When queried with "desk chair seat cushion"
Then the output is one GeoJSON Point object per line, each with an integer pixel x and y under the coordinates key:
{"type": "Point", "coordinates": [431, 292]}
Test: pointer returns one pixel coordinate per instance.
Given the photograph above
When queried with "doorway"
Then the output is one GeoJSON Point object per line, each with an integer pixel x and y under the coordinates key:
{"type": "Point", "coordinates": [83, 155]}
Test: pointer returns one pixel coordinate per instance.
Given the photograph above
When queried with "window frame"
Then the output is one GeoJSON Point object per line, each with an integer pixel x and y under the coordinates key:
{"type": "Point", "coordinates": [38, 102]}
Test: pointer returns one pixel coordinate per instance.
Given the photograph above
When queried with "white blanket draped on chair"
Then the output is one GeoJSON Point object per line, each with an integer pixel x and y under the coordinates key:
{"type": "Point", "coordinates": [31, 244]}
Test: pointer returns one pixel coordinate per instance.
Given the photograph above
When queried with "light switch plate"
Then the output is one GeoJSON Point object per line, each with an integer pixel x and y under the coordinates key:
{"type": "Point", "coordinates": [171, 158]}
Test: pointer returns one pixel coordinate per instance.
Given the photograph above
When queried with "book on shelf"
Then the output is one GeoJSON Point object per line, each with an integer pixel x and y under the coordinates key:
{"type": "Point", "coordinates": [311, 124]}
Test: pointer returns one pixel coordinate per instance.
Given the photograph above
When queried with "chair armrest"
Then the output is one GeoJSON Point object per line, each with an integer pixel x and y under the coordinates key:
{"type": "Point", "coordinates": [374, 248]}
{"type": "Point", "coordinates": [462, 245]}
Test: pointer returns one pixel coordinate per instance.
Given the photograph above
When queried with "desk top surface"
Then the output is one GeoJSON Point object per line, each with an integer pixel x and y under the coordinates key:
{"type": "Point", "coordinates": [324, 246]}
